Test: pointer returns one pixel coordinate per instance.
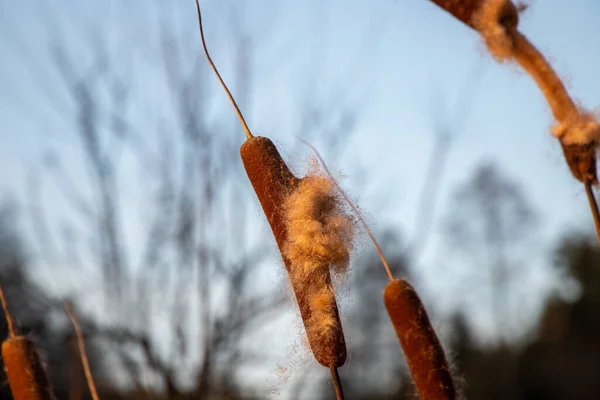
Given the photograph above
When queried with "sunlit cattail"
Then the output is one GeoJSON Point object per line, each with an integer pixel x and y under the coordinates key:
{"type": "Point", "coordinates": [422, 348]}
{"type": "Point", "coordinates": [26, 375]}
{"type": "Point", "coordinates": [312, 235]}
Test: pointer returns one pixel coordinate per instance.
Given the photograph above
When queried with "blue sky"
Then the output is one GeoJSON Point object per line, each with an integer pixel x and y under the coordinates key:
{"type": "Point", "coordinates": [402, 66]}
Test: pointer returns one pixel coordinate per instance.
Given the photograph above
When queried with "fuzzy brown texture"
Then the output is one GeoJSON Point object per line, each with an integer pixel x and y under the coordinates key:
{"type": "Point", "coordinates": [273, 183]}
{"type": "Point", "coordinates": [26, 375]}
{"type": "Point", "coordinates": [461, 9]}
{"type": "Point", "coordinates": [582, 161]}
{"type": "Point", "coordinates": [319, 238]}
{"type": "Point", "coordinates": [422, 348]}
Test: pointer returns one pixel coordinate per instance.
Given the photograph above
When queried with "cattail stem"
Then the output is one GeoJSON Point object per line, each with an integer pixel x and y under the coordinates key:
{"type": "Point", "coordinates": [84, 359]}
{"type": "Point", "coordinates": [7, 316]}
{"type": "Point", "coordinates": [216, 71]}
{"type": "Point", "coordinates": [594, 207]}
{"type": "Point", "coordinates": [536, 65]}
{"type": "Point", "coordinates": [337, 383]}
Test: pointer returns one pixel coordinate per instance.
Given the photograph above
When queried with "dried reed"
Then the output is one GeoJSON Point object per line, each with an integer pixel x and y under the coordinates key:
{"type": "Point", "coordinates": [26, 375]}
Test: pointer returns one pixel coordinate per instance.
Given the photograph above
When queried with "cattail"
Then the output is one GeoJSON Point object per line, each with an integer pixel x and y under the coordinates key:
{"type": "Point", "coordinates": [311, 238]}
{"type": "Point", "coordinates": [26, 375]}
{"type": "Point", "coordinates": [577, 129]}
{"type": "Point", "coordinates": [422, 348]}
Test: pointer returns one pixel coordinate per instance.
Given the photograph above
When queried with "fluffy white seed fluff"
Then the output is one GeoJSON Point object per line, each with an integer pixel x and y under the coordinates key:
{"type": "Point", "coordinates": [319, 239]}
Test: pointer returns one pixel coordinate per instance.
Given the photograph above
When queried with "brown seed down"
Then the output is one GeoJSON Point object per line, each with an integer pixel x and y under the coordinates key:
{"type": "Point", "coordinates": [273, 182]}
{"type": "Point", "coordinates": [26, 375]}
{"type": "Point", "coordinates": [422, 348]}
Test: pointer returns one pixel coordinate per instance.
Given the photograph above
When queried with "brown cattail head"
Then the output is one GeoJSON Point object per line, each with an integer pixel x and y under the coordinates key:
{"type": "Point", "coordinates": [26, 375]}
{"type": "Point", "coordinates": [422, 348]}
{"type": "Point", "coordinates": [282, 196]}
{"type": "Point", "coordinates": [271, 179]}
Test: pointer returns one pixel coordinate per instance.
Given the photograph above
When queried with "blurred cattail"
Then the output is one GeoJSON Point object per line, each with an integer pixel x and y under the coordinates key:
{"type": "Point", "coordinates": [577, 129]}
{"type": "Point", "coordinates": [497, 22]}
{"type": "Point", "coordinates": [422, 348]}
{"type": "Point", "coordinates": [26, 375]}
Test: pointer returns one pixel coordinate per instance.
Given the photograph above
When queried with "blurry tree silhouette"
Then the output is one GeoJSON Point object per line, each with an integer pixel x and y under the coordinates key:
{"type": "Point", "coordinates": [561, 360]}
{"type": "Point", "coordinates": [489, 223]}
{"type": "Point", "coordinates": [564, 361]}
